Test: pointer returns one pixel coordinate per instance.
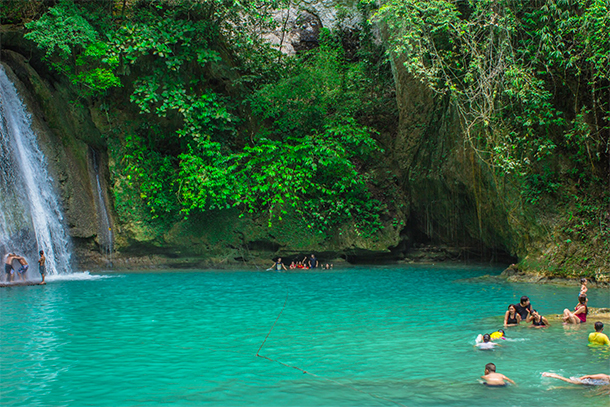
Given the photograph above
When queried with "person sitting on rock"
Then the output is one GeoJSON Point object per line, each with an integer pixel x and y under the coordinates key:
{"type": "Point", "coordinates": [580, 312]}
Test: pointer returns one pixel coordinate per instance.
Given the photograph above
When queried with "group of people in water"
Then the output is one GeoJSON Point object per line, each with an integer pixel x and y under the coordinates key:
{"type": "Point", "coordinates": [23, 267]}
{"type": "Point", "coordinates": [523, 312]}
{"type": "Point", "coordinates": [305, 264]}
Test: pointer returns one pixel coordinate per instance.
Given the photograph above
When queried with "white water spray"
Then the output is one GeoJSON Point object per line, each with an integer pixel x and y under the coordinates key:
{"type": "Point", "coordinates": [30, 213]}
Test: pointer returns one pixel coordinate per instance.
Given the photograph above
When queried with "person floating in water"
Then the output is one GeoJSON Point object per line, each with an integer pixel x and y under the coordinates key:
{"type": "Point", "coordinates": [494, 379]}
{"type": "Point", "coordinates": [278, 265]}
{"type": "Point", "coordinates": [42, 269]}
{"type": "Point", "coordinates": [24, 267]}
{"type": "Point", "coordinates": [499, 334]}
{"type": "Point", "coordinates": [600, 379]}
{"type": "Point", "coordinates": [484, 342]}
{"type": "Point", "coordinates": [597, 337]}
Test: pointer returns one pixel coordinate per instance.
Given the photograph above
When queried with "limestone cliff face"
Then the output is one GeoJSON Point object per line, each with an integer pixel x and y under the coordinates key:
{"type": "Point", "coordinates": [67, 136]}
{"type": "Point", "coordinates": [457, 200]}
{"type": "Point", "coordinates": [447, 197]}
{"type": "Point", "coordinates": [64, 136]}
{"type": "Point", "coordinates": [72, 133]}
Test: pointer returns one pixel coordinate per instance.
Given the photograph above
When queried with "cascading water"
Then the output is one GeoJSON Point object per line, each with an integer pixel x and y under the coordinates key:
{"type": "Point", "coordinates": [30, 214]}
{"type": "Point", "coordinates": [105, 228]}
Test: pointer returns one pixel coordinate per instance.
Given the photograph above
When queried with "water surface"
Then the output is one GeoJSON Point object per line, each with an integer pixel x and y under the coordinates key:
{"type": "Point", "coordinates": [366, 336]}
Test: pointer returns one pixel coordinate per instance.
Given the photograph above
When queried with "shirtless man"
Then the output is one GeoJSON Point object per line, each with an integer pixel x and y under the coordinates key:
{"type": "Point", "coordinates": [8, 266]}
{"type": "Point", "coordinates": [588, 380]}
{"type": "Point", "coordinates": [494, 379]}
{"type": "Point", "coordinates": [41, 266]}
{"type": "Point", "coordinates": [24, 267]}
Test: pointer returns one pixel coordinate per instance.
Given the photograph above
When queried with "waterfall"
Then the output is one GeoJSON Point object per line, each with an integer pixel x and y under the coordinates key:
{"type": "Point", "coordinates": [30, 213]}
{"type": "Point", "coordinates": [105, 227]}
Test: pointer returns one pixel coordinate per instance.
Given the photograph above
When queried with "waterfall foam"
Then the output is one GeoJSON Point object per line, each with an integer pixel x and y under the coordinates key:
{"type": "Point", "coordinates": [30, 213]}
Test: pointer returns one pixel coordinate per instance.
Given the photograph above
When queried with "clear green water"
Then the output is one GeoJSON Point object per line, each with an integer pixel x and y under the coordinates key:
{"type": "Point", "coordinates": [367, 336]}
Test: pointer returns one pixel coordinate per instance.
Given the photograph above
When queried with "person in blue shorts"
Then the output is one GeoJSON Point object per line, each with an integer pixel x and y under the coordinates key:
{"type": "Point", "coordinates": [24, 267]}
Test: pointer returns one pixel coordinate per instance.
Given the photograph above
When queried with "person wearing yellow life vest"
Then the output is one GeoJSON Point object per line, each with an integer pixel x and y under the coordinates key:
{"type": "Point", "coordinates": [597, 337]}
{"type": "Point", "coordinates": [499, 334]}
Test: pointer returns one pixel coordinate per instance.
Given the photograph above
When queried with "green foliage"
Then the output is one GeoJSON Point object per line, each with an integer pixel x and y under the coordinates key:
{"type": "Point", "coordinates": [502, 63]}
{"type": "Point", "coordinates": [62, 31]}
{"type": "Point", "coordinates": [225, 119]}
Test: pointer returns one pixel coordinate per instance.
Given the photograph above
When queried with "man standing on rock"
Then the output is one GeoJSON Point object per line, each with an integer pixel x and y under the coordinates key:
{"type": "Point", "coordinates": [41, 266]}
{"type": "Point", "coordinates": [8, 266]}
{"type": "Point", "coordinates": [24, 267]}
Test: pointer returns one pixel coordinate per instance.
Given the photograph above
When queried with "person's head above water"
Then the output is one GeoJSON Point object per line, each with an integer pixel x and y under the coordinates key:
{"type": "Point", "coordinates": [511, 308]}
{"type": "Point", "coordinates": [486, 338]}
{"type": "Point", "coordinates": [525, 300]}
{"type": "Point", "coordinates": [599, 326]}
{"type": "Point", "coordinates": [490, 368]}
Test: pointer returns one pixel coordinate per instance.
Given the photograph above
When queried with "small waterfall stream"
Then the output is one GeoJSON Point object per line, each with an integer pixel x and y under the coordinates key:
{"type": "Point", "coordinates": [105, 237]}
{"type": "Point", "coordinates": [30, 213]}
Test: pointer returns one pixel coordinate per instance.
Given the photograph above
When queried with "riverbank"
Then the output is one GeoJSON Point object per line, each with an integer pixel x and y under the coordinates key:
{"type": "Point", "coordinates": [515, 274]}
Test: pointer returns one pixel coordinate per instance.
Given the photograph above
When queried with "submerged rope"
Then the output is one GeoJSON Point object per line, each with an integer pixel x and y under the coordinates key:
{"type": "Point", "coordinates": [313, 374]}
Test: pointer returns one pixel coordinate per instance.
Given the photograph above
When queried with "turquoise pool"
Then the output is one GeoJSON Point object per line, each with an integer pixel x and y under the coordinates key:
{"type": "Point", "coordinates": [366, 336]}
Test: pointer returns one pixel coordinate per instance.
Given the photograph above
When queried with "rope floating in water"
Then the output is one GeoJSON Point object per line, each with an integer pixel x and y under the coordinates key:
{"type": "Point", "coordinates": [313, 374]}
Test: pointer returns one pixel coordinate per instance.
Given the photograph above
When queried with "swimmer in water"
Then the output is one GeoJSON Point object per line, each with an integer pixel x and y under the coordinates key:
{"type": "Point", "coordinates": [484, 342]}
{"type": "Point", "coordinates": [499, 334]}
{"type": "Point", "coordinates": [494, 379]}
{"type": "Point", "coordinates": [587, 380]}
